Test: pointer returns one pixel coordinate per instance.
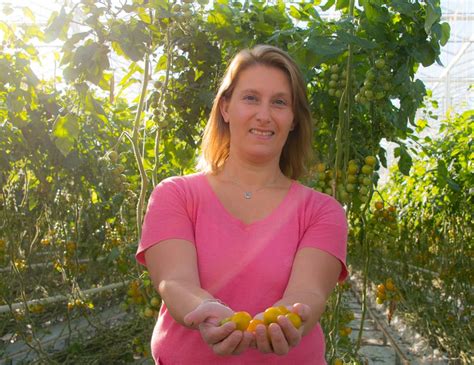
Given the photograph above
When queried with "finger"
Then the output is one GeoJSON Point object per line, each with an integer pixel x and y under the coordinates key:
{"type": "Point", "coordinates": [205, 312]}
{"type": "Point", "coordinates": [213, 334]}
{"type": "Point", "coordinates": [195, 317]}
{"type": "Point", "coordinates": [261, 339]}
{"type": "Point", "coordinates": [244, 344]}
{"type": "Point", "coordinates": [279, 344]}
{"type": "Point", "coordinates": [292, 335]}
{"type": "Point", "coordinates": [302, 310]}
{"type": "Point", "coordinates": [229, 344]}
{"type": "Point", "coordinates": [253, 342]}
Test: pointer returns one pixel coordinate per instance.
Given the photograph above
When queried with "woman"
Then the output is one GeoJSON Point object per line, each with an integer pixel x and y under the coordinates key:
{"type": "Point", "coordinates": [243, 235]}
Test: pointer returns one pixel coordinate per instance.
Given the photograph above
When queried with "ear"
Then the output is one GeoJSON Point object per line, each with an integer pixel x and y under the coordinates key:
{"type": "Point", "coordinates": [224, 107]}
{"type": "Point", "coordinates": [293, 125]}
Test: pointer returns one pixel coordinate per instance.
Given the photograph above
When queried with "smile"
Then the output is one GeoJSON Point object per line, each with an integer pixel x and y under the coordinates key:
{"type": "Point", "coordinates": [259, 132]}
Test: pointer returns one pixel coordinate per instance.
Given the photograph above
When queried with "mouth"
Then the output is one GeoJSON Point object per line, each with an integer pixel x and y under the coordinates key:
{"type": "Point", "coordinates": [261, 132]}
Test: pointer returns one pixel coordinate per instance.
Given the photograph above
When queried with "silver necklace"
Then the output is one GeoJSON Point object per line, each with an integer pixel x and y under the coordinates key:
{"type": "Point", "coordinates": [249, 194]}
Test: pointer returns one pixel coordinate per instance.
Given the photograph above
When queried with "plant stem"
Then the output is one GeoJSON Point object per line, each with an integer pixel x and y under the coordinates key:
{"type": "Point", "coordinates": [136, 149]}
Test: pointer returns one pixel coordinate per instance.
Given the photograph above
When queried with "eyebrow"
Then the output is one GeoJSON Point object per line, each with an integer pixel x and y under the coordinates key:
{"type": "Point", "coordinates": [257, 92]}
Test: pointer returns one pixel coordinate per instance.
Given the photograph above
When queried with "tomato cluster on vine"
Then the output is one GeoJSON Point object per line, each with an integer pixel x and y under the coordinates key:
{"type": "Point", "coordinates": [377, 83]}
{"type": "Point", "coordinates": [388, 292]}
{"type": "Point", "coordinates": [142, 295]}
{"type": "Point", "coordinates": [355, 184]}
{"type": "Point", "coordinates": [336, 77]}
{"type": "Point", "coordinates": [385, 220]}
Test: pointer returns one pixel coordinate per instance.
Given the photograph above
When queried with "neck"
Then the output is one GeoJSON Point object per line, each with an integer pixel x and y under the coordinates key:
{"type": "Point", "coordinates": [251, 175]}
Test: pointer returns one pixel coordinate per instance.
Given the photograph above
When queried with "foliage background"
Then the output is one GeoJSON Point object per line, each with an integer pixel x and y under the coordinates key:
{"type": "Point", "coordinates": [81, 151]}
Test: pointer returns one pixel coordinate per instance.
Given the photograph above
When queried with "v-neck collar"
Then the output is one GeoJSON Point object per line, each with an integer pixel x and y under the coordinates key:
{"type": "Point", "coordinates": [239, 222]}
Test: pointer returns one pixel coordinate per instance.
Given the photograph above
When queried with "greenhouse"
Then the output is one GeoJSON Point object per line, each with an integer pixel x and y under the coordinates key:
{"type": "Point", "coordinates": [236, 182]}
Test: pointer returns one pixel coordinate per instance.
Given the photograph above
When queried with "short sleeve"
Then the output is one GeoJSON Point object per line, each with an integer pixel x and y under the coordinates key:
{"type": "Point", "coordinates": [327, 231]}
{"type": "Point", "coordinates": [166, 217]}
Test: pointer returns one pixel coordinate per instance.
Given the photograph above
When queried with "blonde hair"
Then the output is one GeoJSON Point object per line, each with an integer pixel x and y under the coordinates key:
{"type": "Point", "coordinates": [297, 150]}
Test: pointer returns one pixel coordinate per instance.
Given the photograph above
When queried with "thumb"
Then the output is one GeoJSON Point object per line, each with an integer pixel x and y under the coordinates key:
{"type": "Point", "coordinates": [195, 317]}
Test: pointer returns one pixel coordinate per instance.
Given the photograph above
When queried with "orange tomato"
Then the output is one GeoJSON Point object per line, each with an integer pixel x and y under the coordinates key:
{"type": "Point", "coordinates": [379, 205]}
{"type": "Point", "coordinates": [389, 284]}
{"type": "Point", "coordinates": [253, 324]}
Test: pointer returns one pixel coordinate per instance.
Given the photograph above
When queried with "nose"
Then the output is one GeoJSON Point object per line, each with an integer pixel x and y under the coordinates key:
{"type": "Point", "coordinates": [264, 113]}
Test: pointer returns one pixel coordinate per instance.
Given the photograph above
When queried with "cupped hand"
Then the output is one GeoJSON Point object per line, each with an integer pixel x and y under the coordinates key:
{"type": "Point", "coordinates": [279, 338]}
{"type": "Point", "coordinates": [225, 339]}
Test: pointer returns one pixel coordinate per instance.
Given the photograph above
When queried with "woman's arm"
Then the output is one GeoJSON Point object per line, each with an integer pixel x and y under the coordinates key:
{"type": "Point", "coordinates": [314, 275]}
{"type": "Point", "coordinates": [313, 278]}
{"type": "Point", "coordinates": [172, 265]}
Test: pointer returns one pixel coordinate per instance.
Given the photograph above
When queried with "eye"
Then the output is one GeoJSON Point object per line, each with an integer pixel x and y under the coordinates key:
{"type": "Point", "coordinates": [280, 102]}
{"type": "Point", "coordinates": [250, 97]}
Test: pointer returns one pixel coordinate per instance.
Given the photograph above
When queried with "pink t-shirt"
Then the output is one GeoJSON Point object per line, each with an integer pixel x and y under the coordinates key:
{"type": "Point", "coordinates": [247, 266]}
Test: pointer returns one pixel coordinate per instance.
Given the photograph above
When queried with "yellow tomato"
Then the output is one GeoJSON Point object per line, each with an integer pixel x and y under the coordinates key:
{"type": "Point", "coordinates": [367, 169]}
{"type": "Point", "coordinates": [155, 302]}
{"type": "Point", "coordinates": [283, 309]}
{"type": "Point", "coordinates": [370, 160]}
{"type": "Point", "coordinates": [295, 319]}
{"type": "Point", "coordinates": [389, 284]}
{"type": "Point", "coordinates": [241, 320]}
{"type": "Point", "coordinates": [321, 167]}
{"type": "Point", "coordinates": [271, 315]}
{"type": "Point", "coordinates": [148, 312]}
{"type": "Point", "coordinates": [352, 169]}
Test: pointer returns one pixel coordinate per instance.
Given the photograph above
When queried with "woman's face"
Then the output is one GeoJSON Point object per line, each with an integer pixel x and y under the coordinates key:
{"type": "Point", "coordinates": [259, 113]}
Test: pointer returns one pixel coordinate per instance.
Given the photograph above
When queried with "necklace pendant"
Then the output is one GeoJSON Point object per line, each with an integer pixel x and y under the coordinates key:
{"type": "Point", "coordinates": [248, 195]}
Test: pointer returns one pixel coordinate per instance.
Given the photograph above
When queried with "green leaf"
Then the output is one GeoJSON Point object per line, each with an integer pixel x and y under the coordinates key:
{"type": "Point", "coordinates": [406, 8]}
{"type": "Point", "coordinates": [342, 4]}
{"type": "Point", "coordinates": [114, 254]}
{"type": "Point", "coordinates": [66, 131]}
{"type": "Point", "coordinates": [383, 157]}
{"type": "Point", "coordinates": [132, 39]}
{"type": "Point", "coordinates": [144, 15]}
{"type": "Point", "coordinates": [442, 170]}
{"type": "Point", "coordinates": [357, 41]}
{"type": "Point", "coordinates": [374, 13]}
{"type": "Point", "coordinates": [325, 46]}
{"type": "Point", "coordinates": [162, 63]}
{"type": "Point", "coordinates": [445, 33]}
{"type": "Point", "coordinates": [424, 53]}
{"type": "Point", "coordinates": [294, 12]}
{"type": "Point", "coordinates": [453, 185]}
{"type": "Point", "coordinates": [28, 13]}
{"type": "Point", "coordinates": [405, 161]}
{"type": "Point", "coordinates": [433, 14]}
{"type": "Point", "coordinates": [58, 25]}
{"type": "Point", "coordinates": [328, 5]}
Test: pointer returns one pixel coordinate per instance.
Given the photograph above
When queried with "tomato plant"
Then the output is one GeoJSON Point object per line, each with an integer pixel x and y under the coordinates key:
{"type": "Point", "coordinates": [81, 152]}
